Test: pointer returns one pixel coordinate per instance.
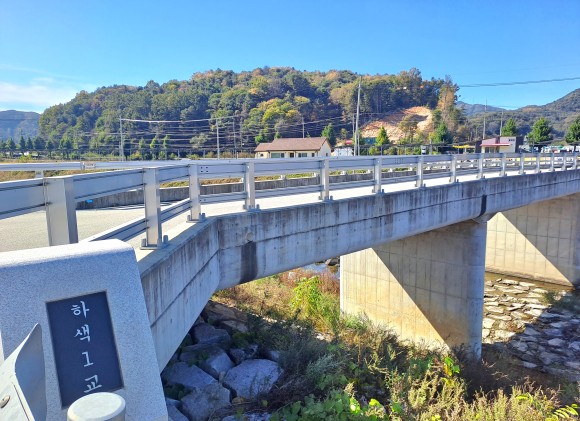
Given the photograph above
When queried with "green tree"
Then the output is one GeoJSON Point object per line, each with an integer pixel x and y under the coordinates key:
{"type": "Point", "coordinates": [11, 147]}
{"type": "Point", "coordinates": [343, 134]}
{"type": "Point", "coordinates": [382, 137]}
{"type": "Point", "coordinates": [39, 143]}
{"type": "Point", "coordinates": [441, 135]}
{"type": "Point", "coordinates": [49, 146]}
{"type": "Point", "coordinates": [510, 128]}
{"type": "Point", "coordinates": [154, 147]}
{"type": "Point", "coordinates": [573, 133]}
{"type": "Point", "coordinates": [541, 132]}
{"type": "Point", "coordinates": [22, 144]}
{"type": "Point", "coordinates": [329, 134]}
{"type": "Point", "coordinates": [29, 144]}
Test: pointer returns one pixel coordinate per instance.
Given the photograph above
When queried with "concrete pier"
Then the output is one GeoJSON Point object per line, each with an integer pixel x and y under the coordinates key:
{"type": "Point", "coordinates": [427, 288]}
{"type": "Point", "coordinates": [539, 241]}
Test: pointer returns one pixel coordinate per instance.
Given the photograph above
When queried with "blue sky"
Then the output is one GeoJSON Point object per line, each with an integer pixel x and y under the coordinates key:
{"type": "Point", "coordinates": [49, 50]}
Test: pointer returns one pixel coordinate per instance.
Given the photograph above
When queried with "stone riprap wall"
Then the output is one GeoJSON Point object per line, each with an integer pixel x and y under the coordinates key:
{"type": "Point", "coordinates": [518, 321]}
{"type": "Point", "coordinates": [212, 373]}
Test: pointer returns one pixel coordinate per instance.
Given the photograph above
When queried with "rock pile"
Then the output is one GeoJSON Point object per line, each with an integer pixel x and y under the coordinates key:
{"type": "Point", "coordinates": [211, 373]}
{"type": "Point", "coordinates": [517, 320]}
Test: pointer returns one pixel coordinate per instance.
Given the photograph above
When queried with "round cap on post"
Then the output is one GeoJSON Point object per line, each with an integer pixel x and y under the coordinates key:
{"type": "Point", "coordinates": [97, 407]}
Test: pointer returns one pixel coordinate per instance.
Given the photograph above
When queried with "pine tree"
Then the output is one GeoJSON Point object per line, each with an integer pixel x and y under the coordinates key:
{"type": "Point", "coordinates": [573, 133]}
{"type": "Point", "coordinates": [510, 128]}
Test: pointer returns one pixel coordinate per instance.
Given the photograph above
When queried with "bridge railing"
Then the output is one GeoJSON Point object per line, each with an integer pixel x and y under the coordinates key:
{"type": "Point", "coordinates": [58, 196]}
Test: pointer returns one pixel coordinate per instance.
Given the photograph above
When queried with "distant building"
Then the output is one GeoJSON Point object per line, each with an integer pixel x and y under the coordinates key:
{"type": "Point", "coordinates": [502, 144]}
{"type": "Point", "coordinates": [295, 147]}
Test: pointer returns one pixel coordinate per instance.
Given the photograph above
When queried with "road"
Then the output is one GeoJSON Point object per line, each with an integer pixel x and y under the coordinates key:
{"type": "Point", "coordinates": [30, 231]}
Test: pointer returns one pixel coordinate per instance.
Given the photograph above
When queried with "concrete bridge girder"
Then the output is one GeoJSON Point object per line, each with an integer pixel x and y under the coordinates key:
{"type": "Point", "coordinates": [225, 251]}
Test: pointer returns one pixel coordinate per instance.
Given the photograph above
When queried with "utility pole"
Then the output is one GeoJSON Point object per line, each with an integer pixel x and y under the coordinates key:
{"type": "Point", "coordinates": [302, 127]}
{"type": "Point", "coordinates": [356, 144]}
{"type": "Point", "coordinates": [121, 154]}
{"type": "Point", "coordinates": [217, 123]}
{"type": "Point", "coordinates": [234, 135]}
{"type": "Point", "coordinates": [501, 123]}
{"type": "Point", "coordinates": [484, 116]}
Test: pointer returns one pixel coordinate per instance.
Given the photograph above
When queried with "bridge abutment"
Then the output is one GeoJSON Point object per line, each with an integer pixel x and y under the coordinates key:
{"type": "Point", "coordinates": [427, 288]}
{"type": "Point", "coordinates": [538, 241]}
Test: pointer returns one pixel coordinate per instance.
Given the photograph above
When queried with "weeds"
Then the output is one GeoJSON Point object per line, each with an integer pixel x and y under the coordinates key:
{"type": "Point", "coordinates": [359, 370]}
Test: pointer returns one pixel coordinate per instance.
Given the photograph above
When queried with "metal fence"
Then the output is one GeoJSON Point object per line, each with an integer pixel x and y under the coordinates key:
{"type": "Point", "coordinates": [58, 196]}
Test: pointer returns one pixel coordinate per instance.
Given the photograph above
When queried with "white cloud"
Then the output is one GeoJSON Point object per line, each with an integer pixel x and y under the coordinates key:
{"type": "Point", "coordinates": [37, 94]}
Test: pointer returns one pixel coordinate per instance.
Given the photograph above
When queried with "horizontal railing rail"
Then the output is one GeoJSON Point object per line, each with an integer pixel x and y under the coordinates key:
{"type": "Point", "coordinates": [58, 196]}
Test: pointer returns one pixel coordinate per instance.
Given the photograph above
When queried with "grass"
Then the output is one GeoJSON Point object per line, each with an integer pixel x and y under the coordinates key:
{"type": "Point", "coordinates": [339, 367]}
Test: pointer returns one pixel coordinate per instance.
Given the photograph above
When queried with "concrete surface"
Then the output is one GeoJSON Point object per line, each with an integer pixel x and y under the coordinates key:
{"type": "Point", "coordinates": [30, 279]}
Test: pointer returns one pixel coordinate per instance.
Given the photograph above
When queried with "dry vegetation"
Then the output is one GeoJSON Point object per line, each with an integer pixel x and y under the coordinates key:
{"type": "Point", "coordinates": [347, 368]}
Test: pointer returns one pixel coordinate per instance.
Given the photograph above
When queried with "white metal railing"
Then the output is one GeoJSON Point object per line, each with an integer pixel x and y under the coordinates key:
{"type": "Point", "coordinates": [58, 196]}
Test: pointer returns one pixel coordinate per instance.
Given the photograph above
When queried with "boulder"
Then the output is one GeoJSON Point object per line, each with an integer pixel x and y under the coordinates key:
{"type": "Point", "coordinates": [209, 357]}
{"type": "Point", "coordinates": [175, 414]}
{"type": "Point", "coordinates": [250, 416]}
{"type": "Point", "coordinates": [242, 354]}
{"type": "Point", "coordinates": [252, 378]}
{"type": "Point", "coordinates": [188, 376]}
{"type": "Point", "coordinates": [207, 334]}
{"type": "Point", "coordinates": [202, 403]}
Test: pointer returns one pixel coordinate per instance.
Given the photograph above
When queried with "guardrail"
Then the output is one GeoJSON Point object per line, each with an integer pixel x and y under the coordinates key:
{"type": "Point", "coordinates": [58, 195]}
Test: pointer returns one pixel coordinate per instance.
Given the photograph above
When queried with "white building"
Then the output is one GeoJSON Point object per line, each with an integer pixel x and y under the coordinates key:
{"type": "Point", "coordinates": [294, 148]}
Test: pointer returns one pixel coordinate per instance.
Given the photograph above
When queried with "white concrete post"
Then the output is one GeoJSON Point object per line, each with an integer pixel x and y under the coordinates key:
{"type": "Point", "coordinates": [552, 159]}
{"type": "Point", "coordinates": [453, 178]}
{"type": "Point", "coordinates": [522, 163]}
{"type": "Point", "coordinates": [538, 169]}
{"type": "Point", "coordinates": [250, 186]}
{"type": "Point", "coordinates": [325, 179]}
{"type": "Point", "coordinates": [39, 174]}
{"type": "Point", "coordinates": [419, 182]}
{"type": "Point", "coordinates": [194, 193]}
{"type": "Point", "coordinates": [575, 160]}
{"type": "Point", "coordinates": [480, 166]}
{"type": "Point", "coordinates": [503, 165]}
{"type": "Point", "coordinates": [102, 406]}
{"type": "Point", "coordinates": [151, 195]}
{"type": "Point", "coordinates": [563, 161]}
{"type": "Point", "coordinates": [61, 216]}
{"type": "Point", "coordinates": [378, 176]}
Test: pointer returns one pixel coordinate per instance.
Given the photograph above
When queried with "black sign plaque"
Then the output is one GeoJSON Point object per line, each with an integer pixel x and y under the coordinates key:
{"type": "Point", "coordinates": [85, 352]}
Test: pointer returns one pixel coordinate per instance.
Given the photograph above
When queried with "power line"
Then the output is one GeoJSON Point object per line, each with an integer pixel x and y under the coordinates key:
{"type": "Point", "coordinates": [527, 82]}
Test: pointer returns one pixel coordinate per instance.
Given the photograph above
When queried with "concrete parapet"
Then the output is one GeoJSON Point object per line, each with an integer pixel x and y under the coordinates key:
{"type": "Point", "coordinates": [427, 288]}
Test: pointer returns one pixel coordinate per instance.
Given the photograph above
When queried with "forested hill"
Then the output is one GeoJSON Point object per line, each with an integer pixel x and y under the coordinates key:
{"type": "Point", "coordinates": [250, 106]}
{"type": "Point", "coordinates": [560, 113]}
{"type": "Point", "coordinates": [14, 124]}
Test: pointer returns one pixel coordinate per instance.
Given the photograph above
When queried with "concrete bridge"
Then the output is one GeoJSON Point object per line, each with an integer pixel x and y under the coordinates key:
{"type": "Point", "coordinates": [412, 257]}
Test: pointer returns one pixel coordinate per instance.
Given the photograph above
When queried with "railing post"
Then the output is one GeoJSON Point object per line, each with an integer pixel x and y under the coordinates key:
{"type": "Point", "coordinates": [194, 193]}
{"type": "Point", "coordinates": [453, 178]}
{"type": "Point", "coordinates": [552, 158]}
{"type": "Point", "coordinates": [538, 169]}
{"type": "Point", "coordinates": [250, 186]}
{"type": "Point", "coordinates": [575, 160]}
{"type": "Point", "coordinates": [378, 176]}
{"type": "Point", "coordinates": [564, 155]}
{"type": "Point", "coordinates": [503, 165]}
{"type": "Point", "coordinates": [522, 163]}
{"type": "Point", "coordinates": [38, 174]}
{"type": "Point", "coordinates": [419, 182]}
{"type": "Point", "coordinates": [325, 180]}
{"type": "Point", "coordinates": [60, 205]}
{"type": "Point", "coordinates": [153, 231]}
{"type": "Point", "coordinates": [480, 167]}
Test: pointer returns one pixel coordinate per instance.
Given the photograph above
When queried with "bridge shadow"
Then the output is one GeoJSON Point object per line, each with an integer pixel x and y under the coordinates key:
{"type": "Point", "coordinates": [538, 239]}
